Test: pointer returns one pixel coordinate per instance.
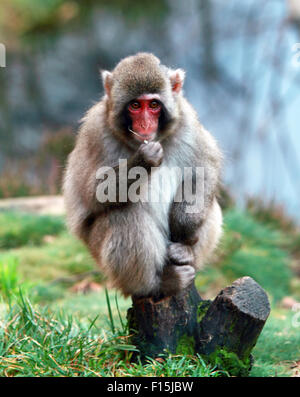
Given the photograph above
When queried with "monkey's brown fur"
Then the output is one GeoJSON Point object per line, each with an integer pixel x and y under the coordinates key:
{"type": "Point", "coordinates": [145, 248]}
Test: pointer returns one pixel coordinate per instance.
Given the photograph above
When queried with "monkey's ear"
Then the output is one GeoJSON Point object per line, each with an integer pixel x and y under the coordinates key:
{"type": "Point", "coordinates": [107, 81]}
{"type": "Point", "coordinates": [177, 79]}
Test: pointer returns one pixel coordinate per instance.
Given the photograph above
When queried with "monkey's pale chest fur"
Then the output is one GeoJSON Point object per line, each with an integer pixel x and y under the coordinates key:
{"type": "Point", "coordinates": [162, 188]}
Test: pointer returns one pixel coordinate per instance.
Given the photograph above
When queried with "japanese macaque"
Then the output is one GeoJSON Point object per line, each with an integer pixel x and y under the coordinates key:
{"type": "Point", "coordinates": [145, 247]}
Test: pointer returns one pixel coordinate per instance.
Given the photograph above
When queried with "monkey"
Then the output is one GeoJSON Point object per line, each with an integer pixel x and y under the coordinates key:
{"type": "Point", "coordinates": [145, 248]}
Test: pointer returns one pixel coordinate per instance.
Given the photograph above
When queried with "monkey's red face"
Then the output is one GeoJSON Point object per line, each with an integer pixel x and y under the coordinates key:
{"type": "Point", "coordinates": [144, 113]}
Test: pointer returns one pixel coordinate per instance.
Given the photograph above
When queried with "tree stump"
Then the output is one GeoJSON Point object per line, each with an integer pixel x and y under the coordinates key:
{"type": "Point", "coordinates": [223, 331]}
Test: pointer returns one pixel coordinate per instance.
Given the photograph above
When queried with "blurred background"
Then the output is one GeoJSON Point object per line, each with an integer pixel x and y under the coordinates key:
{"type": "Point", "coordinates": [242, 65]}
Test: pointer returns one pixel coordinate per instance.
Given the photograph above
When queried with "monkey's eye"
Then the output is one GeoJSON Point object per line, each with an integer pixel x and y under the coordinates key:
{"type": "Point", "coordinates": [154, 105]}
{"type": "Point", "coordinates": [134, 105]}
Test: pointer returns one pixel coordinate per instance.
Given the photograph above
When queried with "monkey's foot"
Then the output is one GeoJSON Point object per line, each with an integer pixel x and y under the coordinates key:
{"type": "Point", "coordinates": [175, 278]}
{"type": "Point", "coordinates": [185, 274]}
{"type": "Point", "coordinates": [180, 254]}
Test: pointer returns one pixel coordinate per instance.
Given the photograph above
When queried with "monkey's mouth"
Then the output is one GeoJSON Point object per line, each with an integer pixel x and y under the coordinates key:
{"type": "Point", "coordinates": [143, 137]}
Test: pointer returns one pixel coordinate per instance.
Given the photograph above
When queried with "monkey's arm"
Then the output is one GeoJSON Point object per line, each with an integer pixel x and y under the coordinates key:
{"type": "Point", "coordinates": [80, 183]}
{"type": "Point", "coordinates": [147, 156]}
{"type": "Point", "coordinates": [187, 216]}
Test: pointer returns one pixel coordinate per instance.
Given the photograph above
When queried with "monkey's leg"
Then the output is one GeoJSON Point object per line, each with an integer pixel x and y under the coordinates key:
{"type": "Point", "coordinates": [133, 251]}
{"type": "Point", "coordinates": [134, 255]}
{"type": "Point", "coordinates": [184, 226]}
{"type": "Point", "coordinates": [194, 239]}
{"type": "Point", "coordinates": [184, 234]}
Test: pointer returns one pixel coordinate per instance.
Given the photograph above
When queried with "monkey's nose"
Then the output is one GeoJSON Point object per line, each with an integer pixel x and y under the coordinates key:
{"type": "Point", "coordinates": [145, 126]}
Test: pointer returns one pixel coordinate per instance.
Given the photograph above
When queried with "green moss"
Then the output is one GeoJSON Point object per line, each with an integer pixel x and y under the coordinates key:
{"type": "Point", "coordinates": [230, 362]}
{"type": "Point", "coordinates": [186, 345]}
{"type": "Point", "coordinates": [202, 309]}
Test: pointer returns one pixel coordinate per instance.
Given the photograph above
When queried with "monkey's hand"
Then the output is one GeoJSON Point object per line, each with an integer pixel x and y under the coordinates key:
{"type": "Point", "coordinates": [151, 153]}
{"type": "Point", "coordinates": [180, 254]}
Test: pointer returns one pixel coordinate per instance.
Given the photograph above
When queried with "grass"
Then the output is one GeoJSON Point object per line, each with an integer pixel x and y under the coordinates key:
{"type": "Point", "coordinates": [43, 344]}
{"type": "Point", "coordinates": [278, 346]}
{"type": "Point", "coordinates": [56, 344]}
{"type": "Point", "coordinates": [9, 278]}
{"type": "Point", "coordinates": [49, 330]}
{"type": "Point", "coordinates": [250, 248]}
{"type": "Point", "coordinates": [17, 229]}
{"type": "Point", "coordinates": [61, 258]}
{"type": "Point", "coordinates": [255, 250]}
